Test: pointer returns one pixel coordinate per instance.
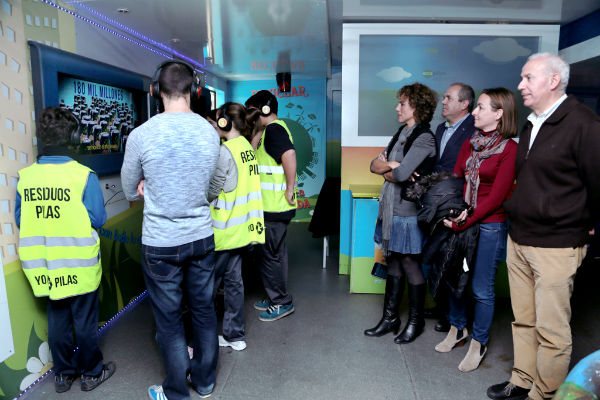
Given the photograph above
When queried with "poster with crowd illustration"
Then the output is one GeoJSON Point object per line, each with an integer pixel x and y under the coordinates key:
{"type": "Point", "coordinates": [106, 113]}
{"type": "Point", "coordinates": [304, 112]}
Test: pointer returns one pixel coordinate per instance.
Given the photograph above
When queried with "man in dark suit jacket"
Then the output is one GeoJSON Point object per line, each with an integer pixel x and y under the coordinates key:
{"type": "Point", "coordinates": [457, 105]}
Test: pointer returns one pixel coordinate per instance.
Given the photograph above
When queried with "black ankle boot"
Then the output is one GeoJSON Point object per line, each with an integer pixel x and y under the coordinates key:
{"type": "Point", "coordinates": [414, 327]}
{"type": "Point", "coordinates": [394, 289]}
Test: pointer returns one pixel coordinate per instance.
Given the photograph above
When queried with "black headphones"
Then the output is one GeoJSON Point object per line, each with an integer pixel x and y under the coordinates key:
{"type": "Point", "coordinates": [224, 121]}
{"type": "Point", "coordinates": [195, 89]}
{"type": "Point", "coordinates": [75, 136]}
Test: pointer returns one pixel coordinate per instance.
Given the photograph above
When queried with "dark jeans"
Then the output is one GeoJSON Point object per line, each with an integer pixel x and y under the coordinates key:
{"type": "Point", "coordinates": [73, 322]}
{"type": "Point", "coordinates": [274, 262]}
{"type": "Point", "coordinates": [174, 275]}
{"type": "Point", "coordinates": [491, 248]}
{"type": "Point", "coordinates": [229, 270]}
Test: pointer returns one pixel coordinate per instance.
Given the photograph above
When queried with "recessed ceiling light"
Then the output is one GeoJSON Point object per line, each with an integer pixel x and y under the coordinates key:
{"type": "Point", "coordinates": [123, 10]}
{"type": "Point", "coordinates": [175, 40]}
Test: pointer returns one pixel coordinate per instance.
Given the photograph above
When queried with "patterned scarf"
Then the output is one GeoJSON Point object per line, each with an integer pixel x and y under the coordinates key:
{"type": "Point", "coordinates": [482, 147]}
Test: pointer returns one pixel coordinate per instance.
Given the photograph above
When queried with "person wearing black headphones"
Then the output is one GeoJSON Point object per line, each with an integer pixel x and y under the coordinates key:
{"type": "Point", "coordinates": [276, 158]}
{"type": "Point", "coordinates": [168, 162]}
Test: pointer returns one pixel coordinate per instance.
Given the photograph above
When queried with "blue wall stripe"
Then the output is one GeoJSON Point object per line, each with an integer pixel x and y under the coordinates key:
{"type": "Point", "coordinates": [580, 30]}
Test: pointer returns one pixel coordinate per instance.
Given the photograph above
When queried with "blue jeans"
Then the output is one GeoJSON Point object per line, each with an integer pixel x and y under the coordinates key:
{"type": "Point", "coordinates": [491, 248]}
{"type": "Point", "coordinates": [174, 275]}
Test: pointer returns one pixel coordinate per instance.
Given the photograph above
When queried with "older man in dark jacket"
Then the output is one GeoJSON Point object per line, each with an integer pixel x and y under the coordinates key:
{"type": "Point", "coordinates": [554, 206]}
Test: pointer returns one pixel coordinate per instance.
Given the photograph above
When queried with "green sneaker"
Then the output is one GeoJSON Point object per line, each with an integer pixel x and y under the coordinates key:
{"type": "Point", "coordinates": [262, 305]}
{"type": "Point", "coordinates": [275, 312]}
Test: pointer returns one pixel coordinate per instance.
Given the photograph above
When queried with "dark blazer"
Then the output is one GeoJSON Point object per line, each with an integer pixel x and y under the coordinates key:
{"type": "Point", "coordinates": [446, 161]}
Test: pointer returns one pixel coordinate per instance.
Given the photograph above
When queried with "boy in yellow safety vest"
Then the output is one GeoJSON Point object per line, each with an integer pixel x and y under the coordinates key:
{"type": "Point", "coordinates": [276, 157]}
{"type": "Point", "coordinates": [59, 204]}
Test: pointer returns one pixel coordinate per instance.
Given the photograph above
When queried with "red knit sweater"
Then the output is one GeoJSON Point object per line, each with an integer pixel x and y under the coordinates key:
{"type": "Point", "coordinates": [496, 180]}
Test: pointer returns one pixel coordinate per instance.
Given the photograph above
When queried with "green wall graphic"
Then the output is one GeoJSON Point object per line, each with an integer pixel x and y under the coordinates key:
{"type": "Point", "coordinates": [304, 112]}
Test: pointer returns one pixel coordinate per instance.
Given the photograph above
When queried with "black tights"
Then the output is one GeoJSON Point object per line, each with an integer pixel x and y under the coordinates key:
{"type": "Point", "coordinates": [406, 264]}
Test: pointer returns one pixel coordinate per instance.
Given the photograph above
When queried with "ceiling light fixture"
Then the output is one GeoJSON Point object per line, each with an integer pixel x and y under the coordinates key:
{"type": "Point", "coordinates": [123, 10]}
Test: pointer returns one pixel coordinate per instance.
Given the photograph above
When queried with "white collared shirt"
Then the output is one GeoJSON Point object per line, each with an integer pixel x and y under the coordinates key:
{"type": "Point", "coordinates": [538, 120]}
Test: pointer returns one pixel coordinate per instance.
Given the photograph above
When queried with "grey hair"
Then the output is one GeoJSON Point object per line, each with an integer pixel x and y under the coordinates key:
{"type": "Point", "coordinates": [466, 92]}
{"type": "Point", "coordinates": [555, 65]}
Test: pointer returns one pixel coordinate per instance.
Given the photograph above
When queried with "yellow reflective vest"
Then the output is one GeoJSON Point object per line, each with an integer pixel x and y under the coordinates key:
{"type": "Point", "coordinates": [238, 215]}
{"type": "Point", "coordinates": [58, 248]}
{"type": "Point", "coordinates": [272, 177]}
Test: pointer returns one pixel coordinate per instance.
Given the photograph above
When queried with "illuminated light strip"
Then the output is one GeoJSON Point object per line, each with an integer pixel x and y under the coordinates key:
{"type": "Point", "coordinates": [48, 2]}
{"type": "Point", "coordinates": [139, 35]}
{"type": "Point", "coordinates": [101, 330]}
{"type": "Point", "coordinates": [125, 309]}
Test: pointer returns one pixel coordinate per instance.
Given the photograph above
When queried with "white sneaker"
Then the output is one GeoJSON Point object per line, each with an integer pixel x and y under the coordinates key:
{"type": "Point", "coordinates": [238, 345]}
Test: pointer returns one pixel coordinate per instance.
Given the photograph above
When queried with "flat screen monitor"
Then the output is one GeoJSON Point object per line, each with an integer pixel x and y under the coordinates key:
{"type": "Point", "coordinates": [108, 101]}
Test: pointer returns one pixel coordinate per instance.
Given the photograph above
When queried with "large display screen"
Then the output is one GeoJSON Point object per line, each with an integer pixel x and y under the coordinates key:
{"type": "Point", "coordinates": [109, 102]}
{"type": "Point", "coordinates": [379, 59]}
{"type": "Point", "coordinates": [107, 114]}
{"type": "Point", "coordinates": [388, 62]}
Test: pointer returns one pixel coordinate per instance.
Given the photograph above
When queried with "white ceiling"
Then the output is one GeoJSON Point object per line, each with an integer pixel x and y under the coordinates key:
{"type": "Point", "coordinates": [253, 39]}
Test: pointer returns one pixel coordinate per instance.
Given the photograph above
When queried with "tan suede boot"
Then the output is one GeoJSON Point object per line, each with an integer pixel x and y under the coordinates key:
{"type": "Point", "coordinates": [473, 357]}
{"type": "Point", "coordinates": [454, 338]}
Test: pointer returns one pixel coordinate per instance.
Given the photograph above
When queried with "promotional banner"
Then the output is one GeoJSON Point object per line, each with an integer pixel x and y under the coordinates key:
{"type": "Point", "coordinates": [304, 111]}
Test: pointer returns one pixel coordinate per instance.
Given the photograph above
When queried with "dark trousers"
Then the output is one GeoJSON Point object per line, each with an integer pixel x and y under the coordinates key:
{"type": "Point", "coordinates": [274, 262]}
{"type": "Point", "coordinates": [73, 322]}
{"type": "Point", "coordinates": [229, 271]}
{"type": "Point", "coordinates": [173, 274]}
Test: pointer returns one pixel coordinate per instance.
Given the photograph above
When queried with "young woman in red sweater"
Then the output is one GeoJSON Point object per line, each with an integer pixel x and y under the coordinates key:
{"type": "Point", "coordinates": [487, 162]}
